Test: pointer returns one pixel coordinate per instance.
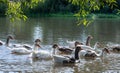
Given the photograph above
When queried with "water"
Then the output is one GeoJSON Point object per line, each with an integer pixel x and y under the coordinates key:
{"type": "Point", "coordinates": [58, 30]}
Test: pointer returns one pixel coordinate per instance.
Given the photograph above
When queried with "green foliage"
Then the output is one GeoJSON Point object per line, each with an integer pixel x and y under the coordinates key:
{"type": "Point", "coordinates": [3, 1]}
{"type": "Point", "coordinates": [14, 11]}
{"type": "Point", "coordinates": [15, 8]}
{"type": "Point", "coordinates": [19, 9]}
{"type": "Point", "coordinates": [88, 6]}
{"type": "Point", "coordinates": [3, 7]}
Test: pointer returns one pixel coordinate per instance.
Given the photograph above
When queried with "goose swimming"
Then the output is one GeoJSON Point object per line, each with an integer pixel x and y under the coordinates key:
{"type": "Point", "coordinates": [67, 59]}
{"type": "Point", "coordinates": [61, 50]}
{"type": "Point", "coordinates": [92, 53]}
{"type": "Point", "coordinates": [7, 41]}
{"type": "Point", "coordinates": [24, 49]}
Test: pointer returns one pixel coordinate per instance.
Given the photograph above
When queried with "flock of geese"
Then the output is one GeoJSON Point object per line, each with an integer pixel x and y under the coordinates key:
{"type": "Point", "coordinates": [70, 54]}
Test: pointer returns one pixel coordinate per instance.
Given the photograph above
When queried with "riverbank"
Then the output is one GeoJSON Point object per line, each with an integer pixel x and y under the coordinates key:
{"type": "Point", "coordinates": [73, 15]}
{"type": "Point", "coordinates": [52, 15]}
{"type": "Point", "coordinates": [70, 15]}
{"type": "Point", "coordinates": [107, 15]}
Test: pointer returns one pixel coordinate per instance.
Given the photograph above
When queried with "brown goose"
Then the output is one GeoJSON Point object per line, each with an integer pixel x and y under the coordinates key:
{"type": "Point", "coordinates": [62, 50]}
{"type": "Point", "coordinates": [92, 53]}
{"type": "Point", "coordinates": [115, 48]}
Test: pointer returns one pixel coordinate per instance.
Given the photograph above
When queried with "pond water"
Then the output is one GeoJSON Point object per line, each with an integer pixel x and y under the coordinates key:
{"type": "Point", "coordinates": [58, 30]}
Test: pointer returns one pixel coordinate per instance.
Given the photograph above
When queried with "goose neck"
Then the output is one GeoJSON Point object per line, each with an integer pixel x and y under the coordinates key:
{"type": "Point", "coordinates": [88, 41]}
{"type": "Point", "coordinates": [77, 53]}
{"type": "Point", "coordinates": [7, 41]}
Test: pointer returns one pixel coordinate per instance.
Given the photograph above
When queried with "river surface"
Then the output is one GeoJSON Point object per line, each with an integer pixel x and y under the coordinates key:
{"type": "Point", "coordinates": [58, 30]}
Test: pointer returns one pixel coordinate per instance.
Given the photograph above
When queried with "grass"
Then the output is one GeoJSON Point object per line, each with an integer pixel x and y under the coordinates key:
{"type": "Point", "coordinates": [52, 15]}
{"type": "Point", "coordinates": [107, 16]}
{"type": "Point", "coordinates": [72, 15]}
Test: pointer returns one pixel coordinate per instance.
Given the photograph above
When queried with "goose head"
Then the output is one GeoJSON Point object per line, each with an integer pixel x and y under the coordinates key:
{"type": "Point", "coordinates": [37, 41]}
{"type": "Point", "coordinates": [55, 49]}
{"type": "Point", "coordinates": [90, 37]}
{"type": "Point", "coordinates": [78, 43]}
{"type": "Point", "coordinates": [55, 46]}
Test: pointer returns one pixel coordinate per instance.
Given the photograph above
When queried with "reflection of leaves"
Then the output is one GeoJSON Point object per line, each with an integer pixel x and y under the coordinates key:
{"type": "Point", "coordinates": [85, 22]}
{"type": "Point", "coordinates": [118, 11]}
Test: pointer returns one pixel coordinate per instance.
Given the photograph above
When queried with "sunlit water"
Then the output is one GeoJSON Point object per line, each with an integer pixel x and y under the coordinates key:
{"type": "Point", "coordinates": [58, 30]}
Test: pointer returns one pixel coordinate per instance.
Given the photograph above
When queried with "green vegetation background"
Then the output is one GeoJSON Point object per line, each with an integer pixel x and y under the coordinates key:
{"type": "Point", "coordinates": [57, 8]}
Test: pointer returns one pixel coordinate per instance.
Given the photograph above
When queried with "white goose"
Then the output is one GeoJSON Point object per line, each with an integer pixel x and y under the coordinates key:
{"type": "Point", "coordinates": [40, 54]}
{"type": "Point", "coordinates": [92, 53]}
{"type": "Point", "coordinates": [67, 59]}
{"type": "Point", "coordinates": [87, 44]}
{"type": "Point", "coordinates": [23, 49]}
{"type": "Point", "coordinates": [7, 44]}
{"type": "Point", "coordinates": [20, 50]}
{"type": "Point", "coordinates": [4, 46]}
{"type": "Point", "coordinates": [27, 46]}
{"type": "Point", "coordinates": [89, 47]}
{"type": "Point", "coordinates": [72, 44]}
